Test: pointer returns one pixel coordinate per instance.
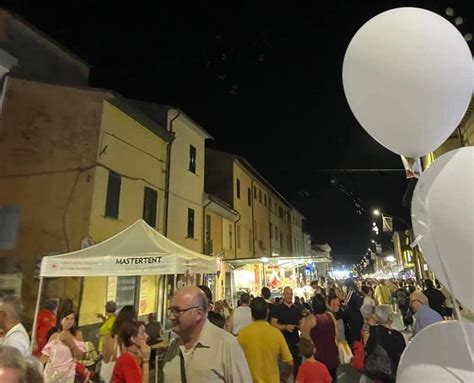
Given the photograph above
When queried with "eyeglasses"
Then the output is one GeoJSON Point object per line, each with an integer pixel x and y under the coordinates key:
{"type": "Point", "coordinates": [177, 312]}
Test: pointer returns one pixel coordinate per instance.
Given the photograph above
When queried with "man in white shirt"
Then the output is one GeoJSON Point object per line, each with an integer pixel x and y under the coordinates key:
{"type": "Point", "coordinates": [241, 316]}
{"type": "Point", "coordinates": [203, 353]}
{"type": "Point", "coordinates": [10, 316]}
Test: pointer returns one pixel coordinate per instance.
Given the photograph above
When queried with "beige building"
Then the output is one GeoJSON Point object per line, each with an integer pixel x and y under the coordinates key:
{"type": "Point", "coordinates": [80, 164]}
{"type": "Point", "coordinates": [263, 231]}
{"type": "Point", "coordinates": [185, 185]}
{"type": "Point", "coordinates": [220, 222]}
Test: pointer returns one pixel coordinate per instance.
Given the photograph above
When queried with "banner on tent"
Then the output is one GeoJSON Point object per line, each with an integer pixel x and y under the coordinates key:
{"type": "Point", "coordinates": [125, 265]}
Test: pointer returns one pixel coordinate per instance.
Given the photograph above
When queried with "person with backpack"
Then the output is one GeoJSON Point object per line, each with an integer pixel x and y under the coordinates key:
{"type": "Point", "coordinates": [402, 299]}
{"type": "Point", "coordinates": [384, 348]}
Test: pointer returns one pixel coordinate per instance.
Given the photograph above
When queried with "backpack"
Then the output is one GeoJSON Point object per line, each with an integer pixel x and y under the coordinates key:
{"type": "Point", "coordinates": [378, 364]}
{"type": "Point", "coordinates": [401, 297]}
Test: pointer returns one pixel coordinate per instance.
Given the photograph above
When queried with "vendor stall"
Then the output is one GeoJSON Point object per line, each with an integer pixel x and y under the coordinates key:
{"type": "Point", "coordinates": [138, 250]}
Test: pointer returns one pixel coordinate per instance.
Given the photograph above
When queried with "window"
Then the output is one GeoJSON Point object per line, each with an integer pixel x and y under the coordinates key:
{"type": "Point", "coordinates": [271, 231]}
{"type": "Point", "coordinates": [260, 195]}
{"type": "Point", "coordinates": [231, 240]}
{"type": "Point", "coordinates": [249, 196]}
{"type": "Point", "coordinates": [265, 199]}
{"type": "Point", "coordinates": [113, 195]}
{"type": "Point", "coordinates": [9, 222]}
{"type": "Point", "coordinates": [238, 188]}
{"type": "Point", "coordinates": [280, 212]}
{"type": "Point", "coordinates": [288, 242]}
{"type": "Point", "coordinates": [190, 223]}
{"type": "Point", "coordinates": [255, 192]}
{"type": "Point", "coordinates": [126, 291]}
{"type": "Point", "coordinates": [238, 237]}
{"type": "Point", "coordinates": [149, 206]}
{"type": "Point", "coordinates": [281, 240]}
{"type": "Point", "coordinates": [192, 159]}
{"type": "Point", "coordinates": [270, 202]}
{"type": "Point", "coordinates": [276, 233]}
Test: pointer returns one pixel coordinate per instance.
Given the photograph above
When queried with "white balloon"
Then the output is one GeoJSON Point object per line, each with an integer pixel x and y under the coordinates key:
{"type": "Point", "coordinates": [443, 218]}
{"type": "Point", "coordinates": [407, 76]}
{"type": "Point", "coordinates": [438, 354]}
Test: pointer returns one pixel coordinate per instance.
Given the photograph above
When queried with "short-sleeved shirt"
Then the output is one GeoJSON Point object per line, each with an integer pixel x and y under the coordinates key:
{"type": "Point", "coordinates": [424, 317]}
{"type": "Point", "coordinates": [216, 357]}
{"type": "Point", "coordinates": [313, 371]}
{"type": "Point", "coordinates": [106, 328]}
{"type": "Point", "coordinates": [18, 337]}
{"type": "Point", "coordinates": [126, 370]}
{"type": "Point", "coordinates": [264, 346]}
{"type": "Point", "coordinates": [288, 315]}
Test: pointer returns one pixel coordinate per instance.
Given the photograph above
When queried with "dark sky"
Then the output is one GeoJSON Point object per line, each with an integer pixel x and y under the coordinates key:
{"type": "Point", "coordinates": [264, 78]}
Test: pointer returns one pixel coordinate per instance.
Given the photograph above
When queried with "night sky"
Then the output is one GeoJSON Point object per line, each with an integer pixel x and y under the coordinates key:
{"type": "Point", "coordinates": [264, 78]}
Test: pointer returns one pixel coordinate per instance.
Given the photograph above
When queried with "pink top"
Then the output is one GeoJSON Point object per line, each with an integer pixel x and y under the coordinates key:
{"type": "Point", "coordinates": [61, 363]}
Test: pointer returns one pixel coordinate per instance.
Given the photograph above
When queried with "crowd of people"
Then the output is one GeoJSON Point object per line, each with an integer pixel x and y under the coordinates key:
{"type": "Point", "coordinates": [262, 339]}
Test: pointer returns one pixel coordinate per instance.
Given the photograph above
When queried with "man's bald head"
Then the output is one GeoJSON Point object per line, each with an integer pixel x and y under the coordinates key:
{"type": "Point", "coordinates": [194, 296]}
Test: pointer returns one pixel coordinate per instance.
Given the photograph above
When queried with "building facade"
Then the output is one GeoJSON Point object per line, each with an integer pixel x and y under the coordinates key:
{"type": "Point", "coordinates": [80, 165]}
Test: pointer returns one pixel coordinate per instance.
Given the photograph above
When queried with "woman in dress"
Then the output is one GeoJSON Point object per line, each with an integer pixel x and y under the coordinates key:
{"type": "Point", "coordinates": [62, 350]}
{"type": "Point", "coordinates": [132, 366]}
{"type": "Point", "coordinates": [320, 328]}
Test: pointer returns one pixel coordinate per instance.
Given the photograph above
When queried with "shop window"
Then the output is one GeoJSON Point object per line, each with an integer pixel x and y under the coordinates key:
{"type": "Point", "coordinates": [126, 291]}
{"type": "Point", "coordinates": [113, 195]}
{"type": "Point", "coordinates": [238, 188]}
{"type": "Point", "coordinates": [149, 206]}
{"type": "Point", "coordinates": [190, 223]}
{"type": "Point", "coordinates": [192, 159]}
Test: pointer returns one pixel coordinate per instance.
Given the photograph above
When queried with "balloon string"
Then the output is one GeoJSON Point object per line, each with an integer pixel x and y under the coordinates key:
{"type": "Point", "coordinates": [457, 309]}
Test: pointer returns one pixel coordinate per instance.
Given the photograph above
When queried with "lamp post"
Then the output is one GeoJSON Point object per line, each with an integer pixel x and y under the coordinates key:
{"type": "Point", "coordinates": [379, 213]}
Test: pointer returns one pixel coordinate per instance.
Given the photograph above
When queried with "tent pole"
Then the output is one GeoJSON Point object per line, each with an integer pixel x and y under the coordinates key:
{"type": "Point", "coordinates": [175, 283]}
{"type": "Point", "coordinates": [35, 319]}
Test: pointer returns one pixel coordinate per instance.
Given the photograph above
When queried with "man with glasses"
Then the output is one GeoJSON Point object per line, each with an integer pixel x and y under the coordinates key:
{"type": "Point", "coordinates": [203, 353]}
{"type": "Point", "coordinates": [424, 315]}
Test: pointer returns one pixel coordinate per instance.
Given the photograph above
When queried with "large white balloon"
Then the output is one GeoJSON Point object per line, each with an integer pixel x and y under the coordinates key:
{"type": "Point", "coordinates": [443, 218]}
{"type": "Point", "coordinates": [408, 78]}
{"type": "Point", "coordinates": [438, 354]}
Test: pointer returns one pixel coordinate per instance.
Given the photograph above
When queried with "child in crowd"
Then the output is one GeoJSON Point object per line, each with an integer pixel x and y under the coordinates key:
{"type": "Point", "coordinates": [311, 370]}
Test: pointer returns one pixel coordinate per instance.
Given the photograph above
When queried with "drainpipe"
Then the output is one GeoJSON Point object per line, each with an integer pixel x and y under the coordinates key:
{"type": "Point", "coordinates": [235, 235]}
{"type": "Point", "coordinates": [204, 226]}
{"type": "Point", "coordinates": [168, 173]}
{"type": "Point", "coordinates": [253, 219]}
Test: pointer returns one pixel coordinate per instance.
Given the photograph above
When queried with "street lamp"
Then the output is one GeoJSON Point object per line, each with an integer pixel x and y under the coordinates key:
{"type": "Point", "coordinates": [373, 241]}
{"type": "Point", "coordinates": [376, 212]}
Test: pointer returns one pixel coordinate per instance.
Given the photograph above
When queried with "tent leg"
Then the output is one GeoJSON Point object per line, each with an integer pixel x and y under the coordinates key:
{"type": "Point", "coordinates": [175, 283]}
{"type": "Point", "coordinates": [35, 319]}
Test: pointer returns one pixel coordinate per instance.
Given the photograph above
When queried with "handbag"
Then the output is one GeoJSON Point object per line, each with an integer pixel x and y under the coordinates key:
{"type": "Point", "coordinates": [359, 356]}
{"type": "Point", "coordinates": [343, 349]}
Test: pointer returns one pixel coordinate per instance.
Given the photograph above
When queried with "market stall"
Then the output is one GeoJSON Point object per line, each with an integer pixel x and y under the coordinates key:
{"type": "Point", "coordinates": [139, 250]}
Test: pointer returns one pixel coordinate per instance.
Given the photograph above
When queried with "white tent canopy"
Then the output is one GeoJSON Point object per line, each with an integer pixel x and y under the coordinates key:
{"type": "Point", "coordinates": [137, 250]}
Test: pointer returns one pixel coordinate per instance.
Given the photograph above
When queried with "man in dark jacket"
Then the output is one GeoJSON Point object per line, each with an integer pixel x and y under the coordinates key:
{"type": "Point", "coordinates": [352, 315]}
{"type": "Point", "coordinates": [435, 297]}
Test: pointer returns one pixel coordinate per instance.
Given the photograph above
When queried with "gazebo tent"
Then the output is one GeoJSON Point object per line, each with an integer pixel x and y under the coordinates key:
{"type": "Point", "coordinates": [137, 250]}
